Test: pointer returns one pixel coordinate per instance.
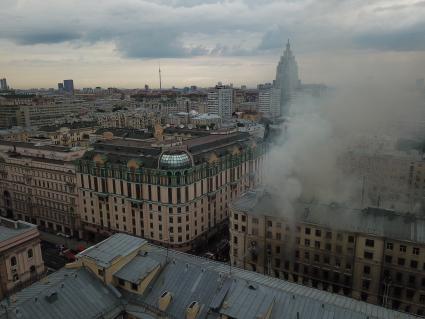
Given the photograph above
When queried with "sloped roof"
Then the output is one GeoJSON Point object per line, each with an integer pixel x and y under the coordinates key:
{"type": "Point", "coordinates": [372, 220]}
{"type": "Point", "coordinates": [137, 269]}
{"type": "Point", "coordinates": [105, 252]}
{"type": "Point", "coordinates": [219, 288]}
{"type": "Point", "coordinates": [65, 294]}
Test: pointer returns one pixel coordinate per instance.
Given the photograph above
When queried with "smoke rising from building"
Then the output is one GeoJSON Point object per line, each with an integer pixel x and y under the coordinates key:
{"type": "Point", "coordinates": [307, 163]}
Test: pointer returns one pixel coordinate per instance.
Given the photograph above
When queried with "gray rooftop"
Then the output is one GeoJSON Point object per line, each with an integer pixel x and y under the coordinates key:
{"type": "Point", "coordinates": [238, 293]}
{"type": "Point", "coordinates": [65, 294]}
{"type": "Point", "coordinates": [373, 221]}
{"type": "Point", "coordinates": [216, 287]}
{"type": "Point", "coordinates": [105, 252]}
{"type": "Point", "coordinates": [137, 269]}
{"type": "Point", "coordinates": [10, 228]}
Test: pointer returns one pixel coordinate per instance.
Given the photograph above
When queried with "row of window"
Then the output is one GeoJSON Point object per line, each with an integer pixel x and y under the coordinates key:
{"type": "Point", "coordinates": [403, 248]}
{"type": "Point", "coordinates": [14, 260]}
{"type": "Point", "coordinates": [402, 262]}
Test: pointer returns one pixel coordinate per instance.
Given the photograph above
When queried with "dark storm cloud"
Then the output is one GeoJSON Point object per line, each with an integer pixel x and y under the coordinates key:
{"type": "Point", "coordinates": [155, 44]}
{"type": "Point", "coordinates": [184, 28]}
{"type": "Point", "coordinates": [46, 37]}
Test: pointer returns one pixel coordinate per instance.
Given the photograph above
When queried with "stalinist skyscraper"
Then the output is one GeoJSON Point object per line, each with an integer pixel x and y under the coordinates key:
{"type": "Point", "coordinates": [287, 78]}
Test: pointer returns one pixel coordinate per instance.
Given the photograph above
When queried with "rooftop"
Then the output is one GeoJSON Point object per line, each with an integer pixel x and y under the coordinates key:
{"type": "Point", "coordinates": [216, 287]}
{"type": "Point", "coordinates": [10, 228]}
{"type": "Point", "coordinates": [56, 148]}
{"type": "Point", "coordinates": [138, 268]}
{"type": "Point", "coordinates": [372, 220]}
{"type": "Point", "coordinates": [71, 126]}
{"type": "Point", "coordinates": [200, 147]}
{"type": "Point", "coordinates": [244, 294]}
{"type": "Point", "coordinates": [118, 245]}
{"type": "Point", "coordinates": [65, 294]}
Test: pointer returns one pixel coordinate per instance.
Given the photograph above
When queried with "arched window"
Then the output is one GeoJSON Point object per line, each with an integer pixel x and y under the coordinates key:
{"type": "Point", "coordinates": [30, 253]}
{"type": "Point", "coordinates": [13, 261]}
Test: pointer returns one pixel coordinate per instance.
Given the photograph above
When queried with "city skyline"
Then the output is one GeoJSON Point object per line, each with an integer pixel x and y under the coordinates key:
{"type": "Point", "coordinates": [203, 42]}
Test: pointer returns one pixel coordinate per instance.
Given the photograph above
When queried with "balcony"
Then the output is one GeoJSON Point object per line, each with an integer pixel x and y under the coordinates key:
{"type": "Point", "coordinates": [212, 194]}
{"type": "Point", "coordinates": [101, 196]}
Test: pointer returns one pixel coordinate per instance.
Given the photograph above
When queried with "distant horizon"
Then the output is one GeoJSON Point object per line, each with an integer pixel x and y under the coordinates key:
{"type": "Point", "coordinates": [202, 42]}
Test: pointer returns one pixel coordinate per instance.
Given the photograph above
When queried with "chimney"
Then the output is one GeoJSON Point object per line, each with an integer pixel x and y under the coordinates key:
{"type": "Point", "coordinates": [165, 300]}
{"type": "Point", "coordinates": [192, 310]}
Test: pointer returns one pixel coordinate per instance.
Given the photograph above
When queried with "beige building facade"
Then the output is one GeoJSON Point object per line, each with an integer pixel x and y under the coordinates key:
{"type": "Point", "coordinates": [21, 262]}
{"type": "Point", "coordinates": [373, 255]}
{"type": "Point", "coordinates": [38, 185]}
{"type": "Point", "coordinates": [172, 192]}
{"type": "Point", "coordinates": [70, 134]}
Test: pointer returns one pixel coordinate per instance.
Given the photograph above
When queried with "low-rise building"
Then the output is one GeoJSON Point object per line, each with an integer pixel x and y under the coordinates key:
{"type": "Point", "coordinates": [34, 111]}
{"type": "Point", "coordinates": [21, 262]}
{"type": "Point", "coordinates": [69, 134]}
{"type": "Point", "coordinates": [371, 254]}
{"type": "Point", "coordinates": [124, 277]}
{"type": "Point", "coordinates": [138, 119]}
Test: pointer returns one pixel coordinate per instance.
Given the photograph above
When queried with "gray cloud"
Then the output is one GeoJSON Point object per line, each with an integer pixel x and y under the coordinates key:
{"type": "Point", "coordinates": [46, 37]}
{"type": "Point", "coordinates": [147, 29]}
{"type": "Point", "coordinates": [412, 39]}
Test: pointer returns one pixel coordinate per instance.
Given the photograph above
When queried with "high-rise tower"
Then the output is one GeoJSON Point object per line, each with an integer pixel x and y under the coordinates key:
{"type": "Point", "coordinates": [68, 86]}
{"type": "Point", "coordinates": [3, 84]}
{"type": "Point", "coordinates": [287, 77]}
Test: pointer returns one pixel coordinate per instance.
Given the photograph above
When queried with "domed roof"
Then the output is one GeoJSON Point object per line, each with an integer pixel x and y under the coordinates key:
{"type": "Point", "coordinates": [174, 159]}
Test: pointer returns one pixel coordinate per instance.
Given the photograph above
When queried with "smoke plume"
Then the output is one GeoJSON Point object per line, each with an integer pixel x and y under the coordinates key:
{"type": "Point", "coordinates": [305, 161]}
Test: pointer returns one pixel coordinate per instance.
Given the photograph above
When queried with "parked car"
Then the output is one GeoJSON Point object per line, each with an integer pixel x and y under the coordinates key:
{"type": "Point", "coordinates": [209, 255]}
{"type": "Point", "coordinates": [69, 254]}
{"type": "Point", "coordinates": [63, 235]}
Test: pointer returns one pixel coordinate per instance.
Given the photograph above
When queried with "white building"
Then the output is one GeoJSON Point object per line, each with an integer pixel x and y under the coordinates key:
{"type": "Point", "coordinates": [269, 101]}
{"type": "Point", "coordinates": [220, 101]}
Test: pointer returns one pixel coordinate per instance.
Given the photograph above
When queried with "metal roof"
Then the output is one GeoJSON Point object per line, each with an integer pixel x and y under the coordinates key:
{"type": "Point", "coordinates": [10, 228]}
{"type": "Point", "coordinates": [137, 269]}
{"type": "Point", "coordinates": [245, 294]}
{"type": "Point", "coordinates": [218, 289]}
{"type": "Point", "coordinates": [111, 248]}
{"type": "Point", "coordinates": [373, 221]}
{"type": "Point", "coordinates": [66, 294]}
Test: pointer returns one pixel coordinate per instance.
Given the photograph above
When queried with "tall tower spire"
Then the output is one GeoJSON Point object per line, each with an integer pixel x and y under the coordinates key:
{"type": "Point", "coordinates": [160, 80]}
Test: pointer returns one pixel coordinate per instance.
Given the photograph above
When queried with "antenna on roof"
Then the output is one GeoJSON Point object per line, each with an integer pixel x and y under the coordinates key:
{"type": "Point", "coordinates": [160, 81]}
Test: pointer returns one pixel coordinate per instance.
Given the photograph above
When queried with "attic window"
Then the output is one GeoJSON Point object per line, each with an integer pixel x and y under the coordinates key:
{"type": "Point", "coordinates": [193, 304]}
{"type": "Point", "coordinates": [252, 287]}
{"type": "Point", "coordinates": [164, 294]}
{"type": "Point", "coordinates": [52, 297]}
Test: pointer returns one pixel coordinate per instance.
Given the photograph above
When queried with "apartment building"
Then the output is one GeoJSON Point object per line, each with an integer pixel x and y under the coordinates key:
{"type": "Point", "coordinates": [172, 189]}
{"type": "Point", "coordinates": [69, 134]}
{"type": "Point", "coordinates": [220, 101]}
{"type": "Point", "coordinates": [38, 185]}
{"type": "Point", "coordinates": [416, 184]}
{"type": "Point", "coordinates": [125, 277]}
{"type": "Point", "coordinates": [15, 134]}
{"type": "Point", "coordinates": [269, 100]}
{"type": "Point", "coordinates": [139, 119]}
{"type": "Point", "coordinates": [374, 255]}
{"type": "Point", "coordinates": [21, 262]}
{"type": "Point", "coordinates": [35, 111]}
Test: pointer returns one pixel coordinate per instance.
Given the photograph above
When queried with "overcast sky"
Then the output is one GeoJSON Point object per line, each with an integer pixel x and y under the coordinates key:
{"type": "Point", "coordinates": [199, 42]}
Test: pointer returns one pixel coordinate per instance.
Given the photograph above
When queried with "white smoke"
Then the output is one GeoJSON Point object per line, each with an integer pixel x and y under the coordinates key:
{"type": "Point", "coordinates": [305, 161]}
